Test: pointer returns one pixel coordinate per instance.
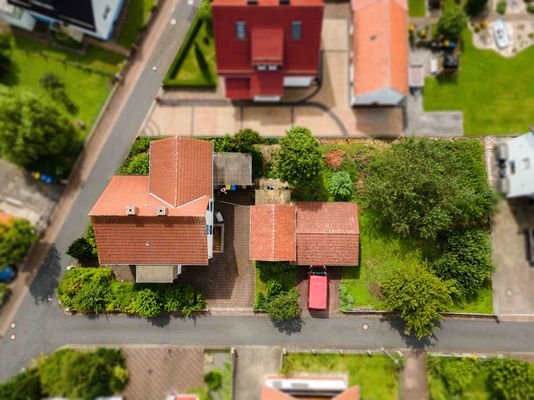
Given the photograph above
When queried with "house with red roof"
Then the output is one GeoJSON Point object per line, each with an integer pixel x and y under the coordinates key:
{"type": "Point", "coordinates": [305, 233]}
{"type": "Point", "coordinates": [160, 222]}
{"type": "Point", "coordinates": [379, 58]}
{"type": "Point", "coordinates": [263, 46]}
{"type": "Point", "coordinates": [308, 387]}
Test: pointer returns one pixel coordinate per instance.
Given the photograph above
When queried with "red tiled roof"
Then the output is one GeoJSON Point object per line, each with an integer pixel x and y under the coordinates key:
{"type": "Point", "coordinates": [267, 2]}
{"type": "Point", "coordinates": [352, 393]}
{"type": "Point", "coordinates": [124, 191]}
{"type": "Point", "coordinates": [327, 233]}
{"type": "Point", "coordinates": [308, 233]}
{"type": "Point", "coordinates": [267, 45]}
{"type": "Point", "coordinates": [267, 83]}
{"type": "Point", "coordinates": [272, 232]}
{"type": "Point", "coordinates": [380, 45]}
{"type": "Point", "coordinates": [151, 240]}
{"type": "Point", "coordinates": [181, 169]}
{"type": "Point", "coordinates": [237, 88]}
{"type": "Point", "coordinates": [268, 393]}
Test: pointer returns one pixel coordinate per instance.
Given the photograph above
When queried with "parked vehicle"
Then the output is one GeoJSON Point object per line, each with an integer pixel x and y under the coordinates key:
{"type": "Point", "coordinates": [500, 33]}
{"type": "Point", "coordinates": [7, 274]}
{"type": "Point", "coordinates": [317, 288]}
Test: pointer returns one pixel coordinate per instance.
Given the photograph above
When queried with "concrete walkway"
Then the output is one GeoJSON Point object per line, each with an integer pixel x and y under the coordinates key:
{"type": "Point", "coordinates": [252, 364]}
{"type": "Point", "coordinates": [414, 379]}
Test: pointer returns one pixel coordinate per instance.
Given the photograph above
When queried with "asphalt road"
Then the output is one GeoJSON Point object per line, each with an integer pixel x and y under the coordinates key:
{"type": "Point", "coordinates": [41, 325]}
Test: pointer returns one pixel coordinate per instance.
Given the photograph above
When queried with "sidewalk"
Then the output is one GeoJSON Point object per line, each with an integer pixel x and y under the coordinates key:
{"type": "Point", "coordinates": [82, 168]}
{"type": "Point", "coordinates": [414, 380]}
{"type": "Point", "coordinates": [253, 363]}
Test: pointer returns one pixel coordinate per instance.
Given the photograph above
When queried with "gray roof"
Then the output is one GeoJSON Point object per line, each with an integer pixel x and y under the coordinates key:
{"type": "Point", "coordinates": [232, 169]}
{"type": "Point", "coordinates": [518, 167]}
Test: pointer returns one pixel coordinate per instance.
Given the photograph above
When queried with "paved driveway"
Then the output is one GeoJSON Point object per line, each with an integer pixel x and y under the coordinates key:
{"type": "Point", "coordinates": [228, 282]}
{"type": "Point", "coordinates": [513, 280]}
{"type": "Point", "coordinates": [334, 278]}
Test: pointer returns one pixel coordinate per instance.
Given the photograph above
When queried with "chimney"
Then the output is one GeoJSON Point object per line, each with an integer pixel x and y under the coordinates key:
{"type": "Point", "coordinates": [131, 210]}
{"type": "Point", "coordinates": [161, 211]}
{"type": "Point", "coordinates": [284, 2]}
{"type": "Point", "coordinates": [252, 2]}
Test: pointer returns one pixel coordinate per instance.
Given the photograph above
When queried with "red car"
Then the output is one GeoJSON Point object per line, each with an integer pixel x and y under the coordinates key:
{"type": "Point", "coordinates": [317, 288]}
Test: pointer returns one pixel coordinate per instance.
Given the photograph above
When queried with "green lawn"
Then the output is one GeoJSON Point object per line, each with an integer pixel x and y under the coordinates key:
{"type": "Point", "coordinates": [495, 93]}
{"type": "Point", "coordinates": [281, 271]}
{"type": "Point", "coordinates": [195, 65]}
{"type": "Point", "coordinates": [417, 8]}
{"type": "Point", "coordinates": [377, 375]}
{"type": "Point", "coordinates": [381, 253]}
{"type": "Point", "coordinates": [88, 90]}
{"type": "Point", "coordinates": [136, 18]}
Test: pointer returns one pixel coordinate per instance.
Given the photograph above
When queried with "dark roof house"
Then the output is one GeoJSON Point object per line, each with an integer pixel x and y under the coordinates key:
{"type": "Point", "coordinates": [305, 233]}
{"type": "Point", "coordinates": [263, 46]}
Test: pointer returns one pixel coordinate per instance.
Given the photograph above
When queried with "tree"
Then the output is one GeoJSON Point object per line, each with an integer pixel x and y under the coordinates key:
{"type": "Point", "coordinates": [475, 7]}
{"type": "Point", "coordinates": [33, 133]}
{"type": "Point", "coordinates": [23, 386]}
{"type": "Point", "coordinates": [452, 22]}
{"type": "Point", "coordinates": [80, 249]}
{"type": "Point", "coordinates": [511, 379]}
{"type": "Point", "coordinates": [417, 295]}
{"type": "Point", "coordinates": [299, 159]}
{"type": "Point", "coordinates": [284, 306]}
{"type": "Point", "coordinates": [16, 238]}
{"type": "Point", "coordinates": [466, 260]}
{"type": "Point", "coordinates": [341, 186]}
{"type": "Point", "coordinates": [423, 188]}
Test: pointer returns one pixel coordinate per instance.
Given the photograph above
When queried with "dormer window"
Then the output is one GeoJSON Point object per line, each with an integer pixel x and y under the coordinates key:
{"type": "Point", "coordinates": [240, 30]}
{"type": "Point", "coordinates": [296, 30]}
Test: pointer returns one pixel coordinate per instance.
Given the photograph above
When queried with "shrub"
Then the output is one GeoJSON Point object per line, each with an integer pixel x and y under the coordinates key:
{"type": "Point", "coordinates": [475, 7]}
{"type": "Point", "coordinates": [184, 299]}
{"type": "Point", "coordinates": [92, 296]}
{"type": "Point", "coordinates": [456, 374]}
{"type": "Point", "coordinates": [440, 184]}
{"type": "Point", "coordinates": [466, 260]}
{"type": "Point", "coordinates": [284, 306]}
{"type": "Point", "coordinates": [213, 380]}
{"type": "Point", "coordinates": [146, 303]}
{"type": "Point", "coordinates": [511, 379]}
{"type": "Point", "coordinates": [347, 302]}
{"type": "Point", "coordinates": [25, 385]}
{"type": "Point", "coordinates": [417, 295]}
{"type": "Point", "coordinates": [80, 249]}
{"type": "Point", "coordinates": [530, 8]}
{"type": "Point", "coordinates": [80, 374]}
{"type": "Point", "coordinates": [90, 236]}
{"type": "Point", "coordinates": [120, 296]}
{"type": "Point", "coordinates": [75, 279]}
{"type": "Point", "coordinates": [4, 292]}
{"type": "Point", "coordinates": [16, 238]}
{"type": "Point", "coordinates": [501, 7]}
{"type": "Point", "coordinates": [341, 186]}
{"type": "Point", "coordinates": [299, 159]}
{"type": "Point", "coordinates": [139, 165]}
{"type": "Point", "coordinates": [452, 22]}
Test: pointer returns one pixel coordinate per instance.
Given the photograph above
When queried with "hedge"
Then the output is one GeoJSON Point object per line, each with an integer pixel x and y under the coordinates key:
{"type": "Point", "coordinates": [95, 290]}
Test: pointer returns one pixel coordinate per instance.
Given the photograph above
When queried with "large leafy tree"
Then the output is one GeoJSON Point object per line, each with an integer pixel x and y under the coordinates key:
{"type": "Point", "coordinates": [33, 132]}
{"type": "Point", "coordinates": [417, 295]}
{"type": "Point", "coordinates": [512, 379]}
{"type": "Point", "coordinates": [452, 22]}
{"type": "Point", "coordinates": [299, 159]}
{"type": "Point", "coordinates": [16, 239]}
{"type": "Point", "coordinates": [423, 188]}
{"type": "Point", "coordinates": [467, 260]}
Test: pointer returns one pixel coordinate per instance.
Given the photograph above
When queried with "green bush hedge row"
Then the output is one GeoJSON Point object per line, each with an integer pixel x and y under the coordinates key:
{"type": "Point", "coordinates": [95, 290]}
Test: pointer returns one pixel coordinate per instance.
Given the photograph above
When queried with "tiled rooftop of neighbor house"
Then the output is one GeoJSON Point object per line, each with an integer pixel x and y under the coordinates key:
{"type": "Point", "coordinates": [380, 45]}
{"type": "Point", "coordinates": [274, 232]}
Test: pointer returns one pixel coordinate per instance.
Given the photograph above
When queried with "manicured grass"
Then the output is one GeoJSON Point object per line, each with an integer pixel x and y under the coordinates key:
{"type": "Point", "coordinates": [136, 18]}
{"type": "Point", "coordinates": [482, 304]}
{"type": "Point", "coordinates": [377, 375]}
{"type": "Point", "coordinates": [495, 93]}
{"type": "Point", "coordinates": [88, 90]}
{"type": "Point", "coordinates": [379, 254]}
{"type": "Point", "coordinates": [281, 271]}
{"type": "Point", "coordinates": [417, 8]}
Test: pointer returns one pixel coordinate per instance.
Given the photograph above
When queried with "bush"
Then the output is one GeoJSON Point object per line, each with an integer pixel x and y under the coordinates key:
{"type": "Point", "coordinates": [181, 298]}
{"type": "Point", "coordinates": [4, 292]}
{"type": "Point", "coordinates": [341, 186]}
{"type": "Point", "coordinates": [90, 236]}
{"type": "Point", "coordinates": [452, 22]}
{"type": "Point", "coordinates": [83, 375]}
{"type": "Point", "coordinates": [146, 303]}
{"type": "Point", "coordinates": [512, 379]}
{"type": "Point", "coordinates": [25, 385]}
{"type": "Point", "coordinates": [440, 184]}
{"type": "Point", "coordinates": [213, 380]}
{"type": "Point", "coordinates": [16, 238]}
{"type": "Point", "coordinates": [77, 278]}
{"type": "Point", "coordinates": [80, 249]}
{"type": "Point", "coordinates": [475, 7]}
{"type": "Point", "coordinates": [284, 306]}
{"type": "Point", "coordinates": [466, 260]}
{"type": "Point", "coordinates": [120, 297]}
{"type": "Point", "coordinates": [417, 295]}
{"type": "Point", "coordinates": [501, 7]}
{"type": "Point", "coordinates": [299, 160]}
{"type": "Point", "coordinates": [347, 302]}
{"type": "Point", "coordinates": [530, 8]}
{"type": "Point", "coordinates": [456, 374]}
{"type": "Point", "coordinates": [139, 165]}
